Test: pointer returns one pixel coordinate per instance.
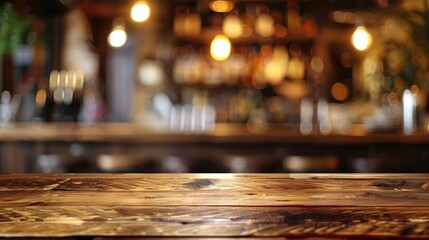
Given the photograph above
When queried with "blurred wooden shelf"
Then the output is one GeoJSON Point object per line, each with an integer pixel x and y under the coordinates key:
{"type": "Point", "coordinates": [223, 133]}
{"type": "Point", "coordinates": [207, 34]}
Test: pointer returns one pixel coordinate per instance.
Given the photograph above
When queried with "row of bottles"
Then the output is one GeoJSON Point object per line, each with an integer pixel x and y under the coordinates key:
{"type": "Point", "coordinates": [253, 107]}
{"type": "Point", "coordinates": [245, 20]}
{"type": "Point", "coordinates": [247, 66]}
{"type": "Point", "coordinates": [265, 75]}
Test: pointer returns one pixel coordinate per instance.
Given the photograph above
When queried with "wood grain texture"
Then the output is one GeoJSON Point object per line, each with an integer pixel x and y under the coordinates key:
{"type": "Point", "coordinates": [215, 238]}
{"type": "Point", "coordinates": [202, 221]}
{"type": "Point", "coordinates": [214, 189]}
{"type": "Point", "coordinates": [215, 205]}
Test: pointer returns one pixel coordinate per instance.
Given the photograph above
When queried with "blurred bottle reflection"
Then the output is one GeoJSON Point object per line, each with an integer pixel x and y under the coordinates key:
{"type": "Point", "coordinates": [192, 118]}
{"type": "Point", "coordinates": [8, 107]}
{"type": "Point", "coordinates": [409, 112]}
{"type": "Point", "coordinates": [323, 120]}
{"type": "Point", "coordinates": [306, 114]}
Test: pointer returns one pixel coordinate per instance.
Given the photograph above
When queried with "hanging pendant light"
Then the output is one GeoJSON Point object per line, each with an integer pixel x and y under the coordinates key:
{"type": "Point", "coordinates": [140, 12]}
{"type": "Point", "coordinates": [118, 35]}
{"type": "Point", "coordinates": [221, 5]}
{"type": "Point", "coordinates": [220, 48]}
{"type": "Point", "coordinates": [361, 38]}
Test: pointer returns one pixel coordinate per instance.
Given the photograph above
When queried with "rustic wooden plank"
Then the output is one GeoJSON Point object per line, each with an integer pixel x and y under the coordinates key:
{"type": "Point", "coordinates": [221, 221]}
{"type": "Point", "coordinates": [47, 238]}
{"type": "Point", "coordinates": [261, 176]}
{"type": "Point", "coordinates": [215, 205]}
{"type": "Point", "coordinates": [358, 176]}
{"type": "Point", "coordinates": [184, 182]}
{"type": "Point", "coordinates": [188, 189]}
{"type": "Point", "coordinates": [320, 197]}
{"type": "Point", "coordinates": [205, 238]}
{"type": "Point", "coordinates": [212, 238]}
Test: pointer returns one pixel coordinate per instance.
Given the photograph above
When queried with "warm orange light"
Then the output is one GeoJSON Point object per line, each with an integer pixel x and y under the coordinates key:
{"type": "Point", "coordinates": [117, 37]}
{"type": "Point", "coordinates": [41, 98]}
{"type": "Point", "coordinates": [232, 26]}
{"type": "Point", "coordinates": [140, 12]}
{"type": "Point", "coordinates": [340, 91]}
{"type": "Point", "coordinates": [361, 39]}
{"type": "Point", "coordinates": [221, 5]}
{"type": "Point", "coordinates": [220, 48]}
{"type": "Point", "coordinates": [264, 25]}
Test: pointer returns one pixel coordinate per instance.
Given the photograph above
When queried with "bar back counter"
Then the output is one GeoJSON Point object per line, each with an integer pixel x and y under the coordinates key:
{"type": "Point", "coordinates": [229, 148]}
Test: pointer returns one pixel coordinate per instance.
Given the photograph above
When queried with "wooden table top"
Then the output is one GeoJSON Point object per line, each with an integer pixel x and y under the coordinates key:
{"type": "Point", "coordinates": [215, 205]}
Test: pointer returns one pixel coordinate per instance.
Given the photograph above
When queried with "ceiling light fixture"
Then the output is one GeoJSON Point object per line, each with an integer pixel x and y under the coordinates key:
{"type": "Point", "coordinates": [361, 38]}
{"type": "Point", "coordinates": [140, 12]}
{"type": "Point", "coordinates": [118, 36]}
{"type": "Point", "coordinates": [220, 48]}
{"type": "Point", "coordinates": [221, 5]}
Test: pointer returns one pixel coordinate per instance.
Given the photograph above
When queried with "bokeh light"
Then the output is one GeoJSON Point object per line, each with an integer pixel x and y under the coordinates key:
{"type": "Point", "coordinates": [117, 37]}
{"type": "Point", "coordinates": [361, 39]}
{"type": "Point", "coordinates": [140, 12]}
{"type": "Point", "coordinates": [220, 48]}
{"type": "Point", "coordinates": [221, 5]}
{"type": "Point", "coordinates": [340, 91]}
{"type": "Point", "coordinates": [232, 26]}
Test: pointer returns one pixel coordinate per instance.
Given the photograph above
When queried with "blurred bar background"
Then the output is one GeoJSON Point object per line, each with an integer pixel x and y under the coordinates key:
{"type": "Point", "coordinates": [214, 86]}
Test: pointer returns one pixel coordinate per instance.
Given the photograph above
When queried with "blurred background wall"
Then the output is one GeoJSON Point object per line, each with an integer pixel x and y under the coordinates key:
{"type": "Point", "coordinates": [348, 67]}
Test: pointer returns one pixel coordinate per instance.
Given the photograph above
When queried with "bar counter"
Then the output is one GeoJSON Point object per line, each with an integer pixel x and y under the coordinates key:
{"type": "Point", "coordinates": [222, 133]}
{"type": "Point", "coordinates": [364, 206]}
{"type": "Point", "coordinates": [23, 145]}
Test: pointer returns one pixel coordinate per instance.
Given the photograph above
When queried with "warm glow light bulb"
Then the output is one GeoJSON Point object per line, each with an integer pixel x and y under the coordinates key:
{"type": "Point", "coordinates": [221, 5]}
{"type": "Point", "coordinates": [140, 12]}
{"type": "Point", "coordinates": [220, 48]}
{"type": "Point", "coordinates": [232, 26]}
{"type": "Point", "coordinates": [117, 37]}
{"type": "Point", "coordinates": [361, 39]}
